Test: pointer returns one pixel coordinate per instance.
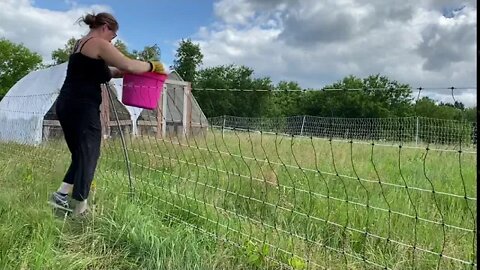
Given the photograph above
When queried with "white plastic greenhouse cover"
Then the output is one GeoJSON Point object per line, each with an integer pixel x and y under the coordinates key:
{"type": "Point", "coordinates": [24, 106]}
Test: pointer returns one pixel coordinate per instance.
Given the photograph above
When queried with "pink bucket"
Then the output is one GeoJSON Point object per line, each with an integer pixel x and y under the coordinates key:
{"type": "Point", "coordinates": [142, 90]}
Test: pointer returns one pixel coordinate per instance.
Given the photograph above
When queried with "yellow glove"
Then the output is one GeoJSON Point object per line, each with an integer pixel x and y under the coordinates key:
{"type": "Point", "coordinates": [157, 67]}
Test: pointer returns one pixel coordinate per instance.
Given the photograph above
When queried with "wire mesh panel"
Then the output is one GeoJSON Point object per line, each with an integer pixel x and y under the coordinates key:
{"type": "Point", "coordinates": [407, 130]}
{"type": "Point", "coordinates": [299, 192]}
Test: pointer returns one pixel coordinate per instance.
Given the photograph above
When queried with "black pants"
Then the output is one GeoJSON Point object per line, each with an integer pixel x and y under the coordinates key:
{"type": "Point", "coordinates": [81, 126]}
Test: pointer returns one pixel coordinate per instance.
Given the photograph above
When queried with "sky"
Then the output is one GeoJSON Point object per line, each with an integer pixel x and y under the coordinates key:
{"type": "Point", "coordinates": [424, 43]}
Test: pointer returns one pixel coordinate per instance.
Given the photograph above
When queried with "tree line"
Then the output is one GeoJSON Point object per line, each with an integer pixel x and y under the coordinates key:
{"type": "Point", "coordinates": [375, 96]}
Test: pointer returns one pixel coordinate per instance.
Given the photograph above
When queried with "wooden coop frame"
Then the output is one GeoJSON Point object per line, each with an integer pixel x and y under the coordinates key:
{"type": "Point", "coordinates": [160, 121]}
{"type": "Point", "coordinates": [183, 127]}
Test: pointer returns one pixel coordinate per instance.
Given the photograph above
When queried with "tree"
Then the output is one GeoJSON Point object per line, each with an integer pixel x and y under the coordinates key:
{"type": "Point", "coordinates": [187, 59]}
{"type": "Point", "coordinates": [470, 114]}
{"type": "Point", "coordinates": [149, 53]}
{"type": "Point", "coordinates": [60, 55]}
{"type": "Point", "coordinates": [237, 103]}
{"type": "Point", "coordinates": [285, 102]}
{"type": "Point", "coordinates": [371, 97]}
{"type": "Point", "coordinates": [396, 97]}
{"type": "Point", "coordinates": [16, 61]}
{"type": "Point", "coordinates": [446, 131]}
{"type": "Point", "coordinates": [122, 47]}
{"type": "Point", "coordinates": [427, 107]}
{"type": "Point", "coordinates": [458, 105]}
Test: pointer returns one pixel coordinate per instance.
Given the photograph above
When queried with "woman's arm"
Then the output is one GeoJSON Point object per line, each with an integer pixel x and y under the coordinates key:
{"type": "Point", "coordinates": [116, 73]}
{"type": "Point", "coordinates": [115, 58]}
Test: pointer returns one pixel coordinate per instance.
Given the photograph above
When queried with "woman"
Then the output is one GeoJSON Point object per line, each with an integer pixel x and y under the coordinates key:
{"type": "Point", "coordinates": [94, 61]}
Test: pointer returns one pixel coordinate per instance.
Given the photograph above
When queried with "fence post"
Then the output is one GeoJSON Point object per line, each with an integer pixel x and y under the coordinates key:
{"type": "Point", "coordinates": [223, 127]}
{"type": "Point", "coordinates": [187, 110]}
{"type": "Point", "coordinates": [164, 110]}
{"type": "Point", "coordinates": [416, 133]}
{"type": "Point", "coordinates": [161, 113]}
{"type": "Point", "coordinates": [303, 124]}
{"type": "Point", "coordinates": [105, 113]}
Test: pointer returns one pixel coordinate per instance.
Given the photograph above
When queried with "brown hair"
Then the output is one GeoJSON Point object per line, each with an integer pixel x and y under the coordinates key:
{"type": "Point", "coordinates": [97, 20]}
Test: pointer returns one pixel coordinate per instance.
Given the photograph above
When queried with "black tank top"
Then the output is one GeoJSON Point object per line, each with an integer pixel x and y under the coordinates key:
{"type": "Point", "coordinates": [84, 76]}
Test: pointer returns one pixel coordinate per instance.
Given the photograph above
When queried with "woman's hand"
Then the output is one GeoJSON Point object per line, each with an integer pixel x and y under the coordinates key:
{"type": "Point", "coordinates": [157, 66]}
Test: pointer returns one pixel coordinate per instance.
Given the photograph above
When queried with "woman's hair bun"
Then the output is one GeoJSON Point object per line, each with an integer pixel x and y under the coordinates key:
{"type": "Point", "coordinates": [97, 20]}
{"type": "Point", "coordinates": [89, 19]}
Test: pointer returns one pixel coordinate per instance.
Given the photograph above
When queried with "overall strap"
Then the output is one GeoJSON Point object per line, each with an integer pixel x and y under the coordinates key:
{"type": "Point", "coordinates": [84, 44]}
{"type": "Point", "coordinates": [76, 46]}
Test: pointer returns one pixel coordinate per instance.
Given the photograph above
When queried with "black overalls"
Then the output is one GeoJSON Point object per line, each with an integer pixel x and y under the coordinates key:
{"type": "Point", "coordinates": [78, 110]}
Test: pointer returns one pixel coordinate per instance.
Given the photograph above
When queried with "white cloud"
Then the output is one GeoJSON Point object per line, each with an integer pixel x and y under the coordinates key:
{"type": "Point", "coordinates": [312, 42]}
{"type": "Point", "coordinates": [234, 12]}
{"type": "Point", "coordinates": [42, 30]}
{"type": "Point", "coordinates": [320, 42]}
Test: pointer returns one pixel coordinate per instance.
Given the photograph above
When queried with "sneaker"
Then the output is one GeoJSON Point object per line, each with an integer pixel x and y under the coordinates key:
{"type": "Point", "coordinates": [84, 215]}
{"type": "Point", "coordinates": [60, 201]}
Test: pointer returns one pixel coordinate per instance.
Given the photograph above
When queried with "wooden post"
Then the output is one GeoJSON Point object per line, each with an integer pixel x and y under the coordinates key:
{"type": "Point", "coordinates": [160, 120]}
{"type": "Point", "coordinates": [46, 133]}
{"type": "Point", "coordinates": [223, 127]}
{"type": "Point", "coordinates": [416, 133]}
{"type": "Point", "coordinates": [105, 113]}
{"type": "Point", "coordinates": [303, 124]}
{"type": "Point", "coordinates": [164, 110]}
{"type": "Point", "coordinates": [187, 109]}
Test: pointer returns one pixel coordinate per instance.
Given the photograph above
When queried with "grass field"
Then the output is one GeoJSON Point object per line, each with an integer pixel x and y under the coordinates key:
{"type": "Point", "coordinates": [244, 201]}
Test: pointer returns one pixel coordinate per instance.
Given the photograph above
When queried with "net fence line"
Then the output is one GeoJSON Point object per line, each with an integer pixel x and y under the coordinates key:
{"type": "Point", "coordinates": [304, 169]}
{"type": "Point", "coordinates": [256, 221]}
{"type": "Point", "coordinates": [419, 130]}
{"type": "Point", "coordinates": [288, 232]}
{"type": "Point", "coordinates": [405, 130]}
{"type": "Point", "coordinates": [323, 195]}
{"type": "Point", "coordinates": [301, 213]}
{"type": "Point", "coordinates": [313, 217]}
{"type": "Point", "coordinates": [201, 202]}
{"type": "Point", "coordinates": [55, 93]}
{"type": "Point", "coordinates": [215, 222]}
{"type": "Point", "coordinates": [294, 200]}
{"type": "Point", "coordinates": [282, 90]}
{"type": "Point", "coordinates": [439, 148]}
{"type": "Point", "coordinates": [334, 89]}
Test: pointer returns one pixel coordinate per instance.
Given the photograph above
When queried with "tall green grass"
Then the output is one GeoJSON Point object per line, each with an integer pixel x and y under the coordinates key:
{"type": "Point", "coordinates": [246, 201]}
{"type": "Point", "coordinates": [120, 235]}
